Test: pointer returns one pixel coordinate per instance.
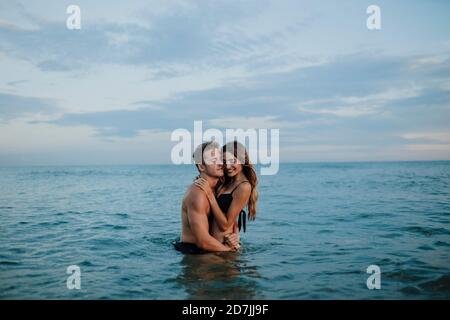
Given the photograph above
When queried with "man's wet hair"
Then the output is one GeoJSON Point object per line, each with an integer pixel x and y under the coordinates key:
{"type": "Point", "coordinates": [200, 150]}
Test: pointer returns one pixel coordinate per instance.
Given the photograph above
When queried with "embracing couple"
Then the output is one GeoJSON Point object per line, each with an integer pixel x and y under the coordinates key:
{"type": "Point", "coordinates": [212, 211]}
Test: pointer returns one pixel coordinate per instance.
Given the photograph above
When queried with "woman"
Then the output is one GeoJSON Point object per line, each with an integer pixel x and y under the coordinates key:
{"type": "Point", "coordinates": [237, 190]}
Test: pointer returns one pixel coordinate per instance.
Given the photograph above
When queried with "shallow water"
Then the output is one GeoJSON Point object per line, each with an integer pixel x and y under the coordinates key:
{"type": "Point", "coordinates": [319, 227]}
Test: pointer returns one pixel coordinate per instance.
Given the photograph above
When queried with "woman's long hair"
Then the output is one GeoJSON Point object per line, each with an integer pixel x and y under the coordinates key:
{"type": "Point", "coordinates": [240, 153]}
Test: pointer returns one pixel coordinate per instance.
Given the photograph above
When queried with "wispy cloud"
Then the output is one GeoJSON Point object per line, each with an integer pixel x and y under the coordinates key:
{"type": "Point", "coordinates": [357, 106]}
{"type": "Point", "coordinates": [16, 83]}
{"type": "Point", "coordinates": [267, 122]}
{"type": "Point", "coordinates": [434, 137]}
{"type": "Point", "coordinates": [15, 106]}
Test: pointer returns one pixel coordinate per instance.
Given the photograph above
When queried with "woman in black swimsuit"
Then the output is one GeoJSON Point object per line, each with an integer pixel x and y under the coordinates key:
{"type": "Point", "coordinates": [236, 191]}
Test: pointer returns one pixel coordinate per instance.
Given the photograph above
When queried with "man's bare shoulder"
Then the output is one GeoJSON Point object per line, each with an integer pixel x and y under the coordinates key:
{"type": "Point", "coordinates": [196, 198]}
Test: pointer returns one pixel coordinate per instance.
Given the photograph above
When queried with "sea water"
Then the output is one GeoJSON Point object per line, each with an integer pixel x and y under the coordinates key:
{"type": "Point", "coordinates": [319, 226]}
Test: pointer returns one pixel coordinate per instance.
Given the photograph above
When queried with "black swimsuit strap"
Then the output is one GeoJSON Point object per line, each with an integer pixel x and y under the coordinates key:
{"type": "Point", "coordinates": [239, 185]}
{"type": "Point", "coordinates": [221, 187]}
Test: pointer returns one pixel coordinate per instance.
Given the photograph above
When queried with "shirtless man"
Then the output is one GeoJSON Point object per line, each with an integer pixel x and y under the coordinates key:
{"type": "Point", "coordinates": [195, 209]}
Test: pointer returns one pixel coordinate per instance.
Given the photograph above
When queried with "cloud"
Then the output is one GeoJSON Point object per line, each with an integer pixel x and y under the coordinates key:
{"type": "Point", "coordinates": [357, 106]}
{"type": "Point", "coordinates": [17, 12]}
{"type": "Point", "coordinates": [16, 83]}
{"type": "Point", "coordinates": [15, 106]}
{"type": "Point", "coordinates": [346, 111]}
{"type": "Point", "coordinates": [122, 123]}
{"type": "Point", "coordinates": [8, 25]}
{"type": "Point", "coordinates": [222, 34]}
{"type": "Point", "coordinates": [47, 144]}
{"type": "Point", "coordinates": [267, 122]}
{"type": "Point", "coordinates": [117, 39]}
{"type": "Point", "coordinates": [357, 95]}
{"type": "Point", "coordinates": [430, 147]}
{"type": "Point", "coordinates": [54, 65]}
{"type": "Point", "coordinates": [433, 137]}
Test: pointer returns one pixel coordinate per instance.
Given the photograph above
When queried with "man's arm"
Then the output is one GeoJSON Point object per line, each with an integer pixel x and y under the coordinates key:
{"type": "Point", "coordinates": [198, 222]}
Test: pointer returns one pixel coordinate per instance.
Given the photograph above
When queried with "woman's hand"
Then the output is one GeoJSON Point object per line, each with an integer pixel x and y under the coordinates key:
{"type": "Point", "coordinates": [233, 239]}
{"type": "Point", "coordinates": [204, 185]}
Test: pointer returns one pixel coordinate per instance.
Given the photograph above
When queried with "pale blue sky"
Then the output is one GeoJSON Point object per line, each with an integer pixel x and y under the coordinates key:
{"type": "Point", "coordinates": [112, 92]}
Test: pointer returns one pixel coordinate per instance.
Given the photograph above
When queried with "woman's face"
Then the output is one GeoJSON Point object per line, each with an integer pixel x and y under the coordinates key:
{"type": "Point", "coordinates": [232, 165]}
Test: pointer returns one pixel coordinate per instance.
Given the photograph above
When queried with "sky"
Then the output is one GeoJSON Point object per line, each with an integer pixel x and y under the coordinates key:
{"type": "Point", "coordinates": [113, 91]}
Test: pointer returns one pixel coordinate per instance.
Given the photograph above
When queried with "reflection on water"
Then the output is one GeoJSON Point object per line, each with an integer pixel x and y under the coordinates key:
{"type": "Point", "coordinates": [217, 276]}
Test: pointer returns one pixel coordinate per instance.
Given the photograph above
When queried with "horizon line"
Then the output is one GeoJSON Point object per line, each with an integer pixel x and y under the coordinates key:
{"type": "Point", "coordinates": [171, 164]}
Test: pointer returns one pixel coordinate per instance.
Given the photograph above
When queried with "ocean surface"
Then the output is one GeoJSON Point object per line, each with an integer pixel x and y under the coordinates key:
{"type": "Point", "coordinates": [318, 228]}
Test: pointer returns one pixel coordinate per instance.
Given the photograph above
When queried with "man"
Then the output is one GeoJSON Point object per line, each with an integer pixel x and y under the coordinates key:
{"type": "Point", "coordinates": [195, 209]}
